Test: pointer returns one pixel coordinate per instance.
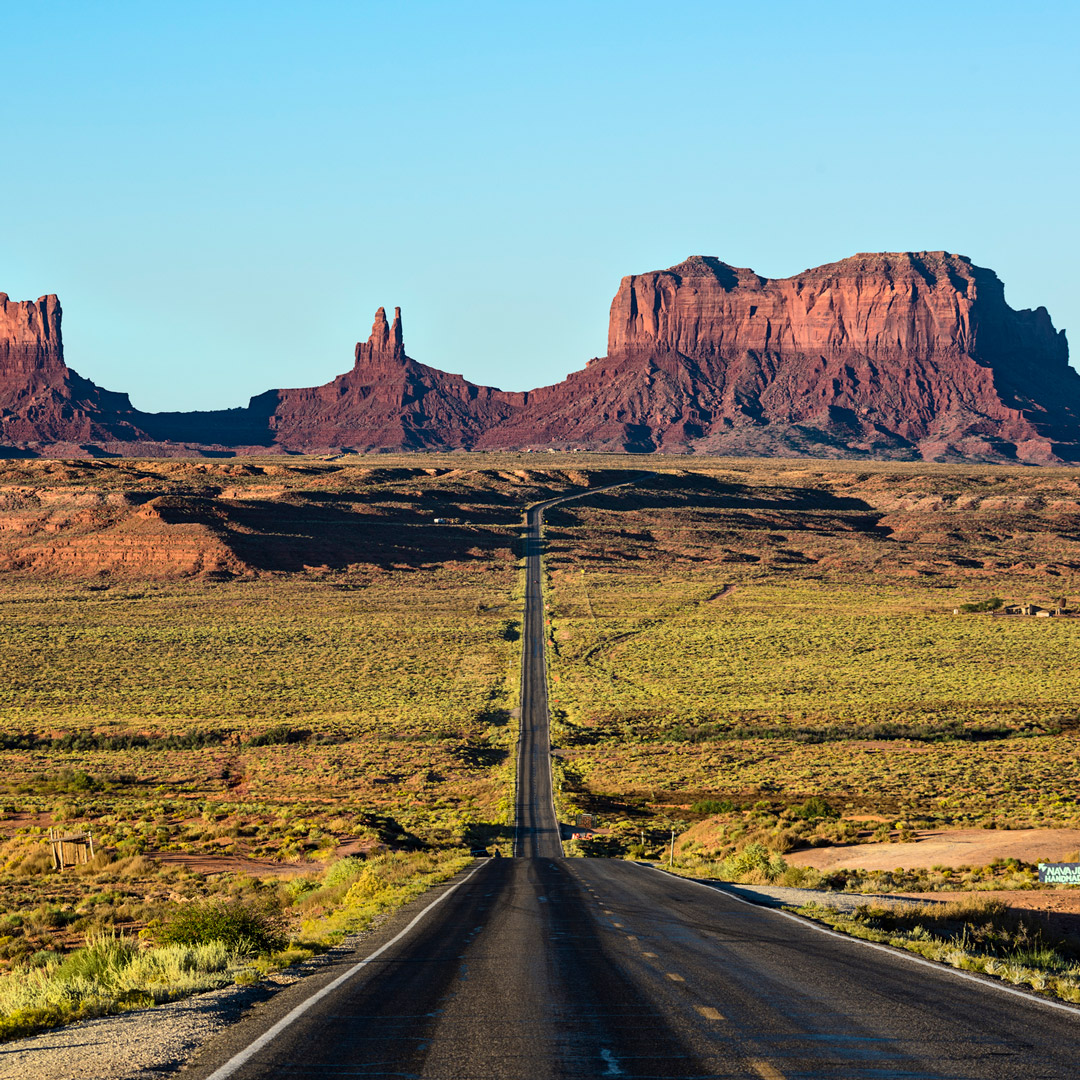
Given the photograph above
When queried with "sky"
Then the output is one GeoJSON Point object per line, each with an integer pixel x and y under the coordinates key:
{"type": "Point", "coordinates": [223, 193]}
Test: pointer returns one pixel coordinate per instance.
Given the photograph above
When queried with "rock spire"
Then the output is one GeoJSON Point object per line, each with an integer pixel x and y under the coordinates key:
{"type": "Point", "coordinates": [386, 342]}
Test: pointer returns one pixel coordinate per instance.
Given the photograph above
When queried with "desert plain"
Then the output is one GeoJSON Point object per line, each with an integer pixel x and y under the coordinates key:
{"type": "Point", "coordinates": [239, 674]}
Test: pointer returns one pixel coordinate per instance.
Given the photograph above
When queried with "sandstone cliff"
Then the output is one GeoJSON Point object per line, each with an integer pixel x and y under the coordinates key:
{"type": "Point", "coordinates": [903, 355]}
{"type": "Point", "coordinates": [30, 336]}
{"type": "Point", "coordinates": [909, 355]}
{"type": "Point", "coordinates": [42, 402]}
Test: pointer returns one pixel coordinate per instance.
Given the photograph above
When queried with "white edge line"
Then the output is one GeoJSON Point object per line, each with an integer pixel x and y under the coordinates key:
{"type": "Point", "coordinates": [245, 1055]}
{"type": "Point", "coordinates": [985, 981]}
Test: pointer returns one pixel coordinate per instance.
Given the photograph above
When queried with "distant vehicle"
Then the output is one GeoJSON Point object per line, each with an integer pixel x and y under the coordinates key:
{"type": "Point", "coordinates": [478, 852]}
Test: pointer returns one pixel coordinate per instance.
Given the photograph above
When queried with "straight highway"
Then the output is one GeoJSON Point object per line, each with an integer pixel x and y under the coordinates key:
{"type": "Point", "coordinates": [544, 967]}
{"type": "Point", "coordinates": [536, 830]}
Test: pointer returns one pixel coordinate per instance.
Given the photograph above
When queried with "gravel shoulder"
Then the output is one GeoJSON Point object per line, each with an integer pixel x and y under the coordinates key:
{"type": "Point", "coordinates": [142, 1044]}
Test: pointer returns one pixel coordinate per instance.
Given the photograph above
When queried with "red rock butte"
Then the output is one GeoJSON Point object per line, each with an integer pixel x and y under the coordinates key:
{"type": "Point", "coordinates": [897, 356]}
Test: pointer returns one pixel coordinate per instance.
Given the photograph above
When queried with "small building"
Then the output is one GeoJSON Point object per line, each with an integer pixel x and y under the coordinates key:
{"type": "Point", "coordinates": [74, 849]}
{"type": "Point", "coordinates": [1060, 609]}
{"type": "Point", "coordinates": [1023, 609]}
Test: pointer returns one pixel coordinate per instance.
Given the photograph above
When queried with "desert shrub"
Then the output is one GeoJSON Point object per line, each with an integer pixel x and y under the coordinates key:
{"type": "Point", "coordinates": [713, 806]}
{"type": "Point", "coordinates": [102, 960]}
{"type": "Point", "coordinates": [66, 781]}
{"type": "Point", "coordinates": [36, 861]}
{"type": "Point", "coordinates": [282, 735]}
{"type": "Point", "coordinates": [344, 871]}
{"type": "Point", "coordinates": [992, 604]}
{"type": "Point", "coordinates": [976, 934]}
{"type": "Point", "coordinates": [814, 807]}
{"type": "Point", "coordinates": [86, 740]}
{"type": "Point", "coordinates": [109, 975]}
{"type": "Point", "coordinates": [755, 864]}
{"type": "Point", "coordinates": [800, 877]}
{"type": "Point", "coordinates": [241, 925]}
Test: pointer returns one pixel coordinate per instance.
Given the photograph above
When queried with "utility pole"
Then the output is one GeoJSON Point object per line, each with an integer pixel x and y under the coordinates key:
{"type": "Point", "coordinates": [671, 854]}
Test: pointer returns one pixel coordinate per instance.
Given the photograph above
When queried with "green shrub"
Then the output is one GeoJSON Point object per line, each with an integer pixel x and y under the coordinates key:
{"type": "Point", "coordinates": [814, 807]}
{"type": "Point", "coordinates": [755, 864]}
{"type": "Point", "coordinates": [101, 961]}
{"type": "Point", "coordinates": [992, 604]}
{"type": "Point", "coordinates": [343, 871]}
{"type": "Point", "coordinates": [713, 806]}
{"type": "Point", "coordinates": [245, 927]}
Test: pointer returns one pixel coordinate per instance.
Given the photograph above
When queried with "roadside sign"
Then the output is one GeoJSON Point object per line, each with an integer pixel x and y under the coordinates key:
{"type": "Point", "coordinates": [585, 821]}
{"type": "Point", "coordinates": [1059, 873]}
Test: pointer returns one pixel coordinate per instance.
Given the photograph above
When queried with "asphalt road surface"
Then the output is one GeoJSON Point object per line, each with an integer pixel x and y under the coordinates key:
{"type": "Point", "coordinates": [601, 968]}
{"type": "Point", "coordinates": [536, 830]}
{"type": "Point", "coordinates": [540, 966]}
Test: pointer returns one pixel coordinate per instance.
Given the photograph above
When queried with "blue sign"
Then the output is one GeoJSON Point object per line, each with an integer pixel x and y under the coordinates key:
{"type": "Point", "coordinates": [1059, 873]}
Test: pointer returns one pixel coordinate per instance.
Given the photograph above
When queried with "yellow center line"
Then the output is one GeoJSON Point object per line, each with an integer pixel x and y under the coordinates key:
{"type": "Point", "coordinates": [766, 1071]}
{"type": "Point", "coordinates": [650, 955]}
{"type": "Point", "coordinates": [708, 1012]}
{"type": "Point", "coordinates": [609, 912]}
{"type": "Point", "coordinates": [618, 925]}
{"type": "Point", "coordinates": [630, 937]}
{"type": "Point", "coordinates": [675, 977]}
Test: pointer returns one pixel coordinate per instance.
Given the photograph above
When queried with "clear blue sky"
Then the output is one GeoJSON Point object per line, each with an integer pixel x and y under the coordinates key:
{"type": "Point", "coordinates": [223, 193]}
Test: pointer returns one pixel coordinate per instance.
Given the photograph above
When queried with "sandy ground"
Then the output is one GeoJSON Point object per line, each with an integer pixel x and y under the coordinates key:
{"type": "Point", "coordinates": [233, 864]}
{"type": "Point", "coordinates": [241, 864]}
{"type": "Point", "coordinates": [951, 847]}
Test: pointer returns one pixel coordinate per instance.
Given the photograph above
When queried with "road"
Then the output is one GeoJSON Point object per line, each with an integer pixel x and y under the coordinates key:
{"type": "Point", "coordinates": [536, 830]}
{"type": "Point", "coordinates": [541, 966]}
{"type": "Point", "coordinates": [538, 968]}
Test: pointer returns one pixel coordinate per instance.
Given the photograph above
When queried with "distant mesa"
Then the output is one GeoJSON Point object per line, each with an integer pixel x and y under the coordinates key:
{"type": "Point", "coordinates": [901, 356]}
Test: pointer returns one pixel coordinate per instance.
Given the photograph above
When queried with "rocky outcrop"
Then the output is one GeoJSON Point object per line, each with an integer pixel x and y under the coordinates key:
{"type": "Point", "coordinates": [903, 355]}
{"type": "Point", "coordinates": [910, 355]}
{"type": "Point", "coordinates": [43, 403]}
{"type": "Point", "coordinates": [384, 347]}
{"type": "Point", "coordinates": [30, 341]}
{"type": "Point", "coordinates": [387, 401]}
